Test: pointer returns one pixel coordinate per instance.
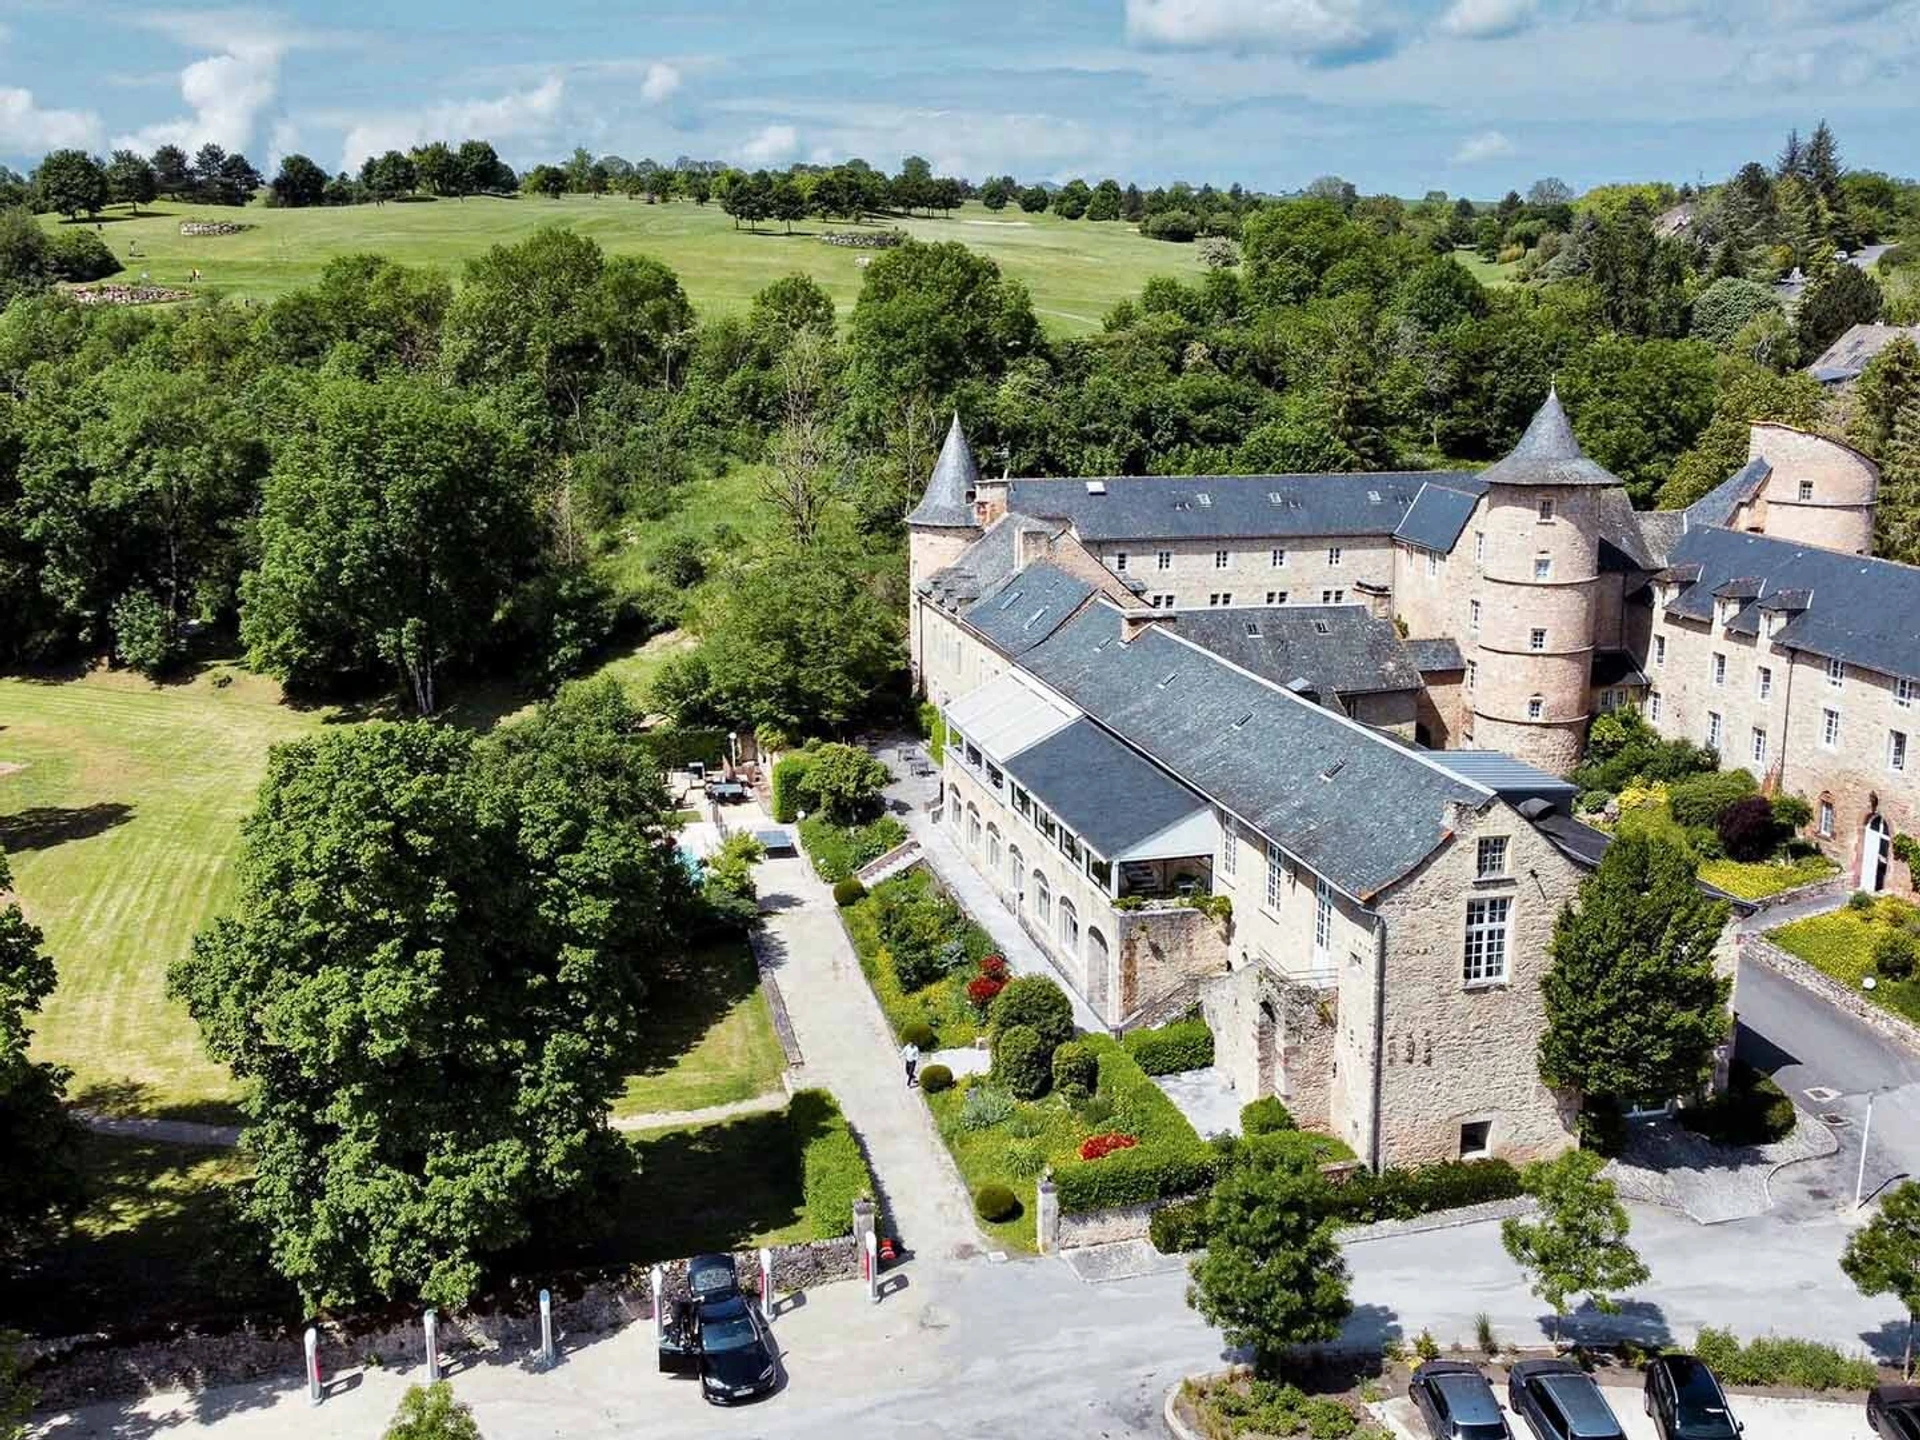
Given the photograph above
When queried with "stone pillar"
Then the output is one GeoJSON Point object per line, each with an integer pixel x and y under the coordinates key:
{"type": "Point", "coordinates": [1046, 1216]}
{"type": "Point", "coordinates": [863, 1224]}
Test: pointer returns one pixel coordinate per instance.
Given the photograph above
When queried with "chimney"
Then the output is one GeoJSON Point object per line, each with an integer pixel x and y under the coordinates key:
{"type": "Point", "coordinates": [1034, 545]}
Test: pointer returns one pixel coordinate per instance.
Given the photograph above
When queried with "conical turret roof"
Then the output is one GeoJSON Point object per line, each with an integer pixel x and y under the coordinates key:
{"type": "Point", "coordinates": [948, 501]}
{"type": "Point", "coordinates": [1548, 454]}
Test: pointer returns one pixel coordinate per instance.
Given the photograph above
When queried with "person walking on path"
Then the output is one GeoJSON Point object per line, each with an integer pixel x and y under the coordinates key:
{"type": "Point", "coordinates": [910, 1053]}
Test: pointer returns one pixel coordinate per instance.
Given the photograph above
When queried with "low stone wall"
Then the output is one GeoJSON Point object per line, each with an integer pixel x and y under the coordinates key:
{"type": "Point", "coordinates": [82, 1369]}
{"type": "Point", "coordinates": [1843, 997]}
{"type": "Point", "coordinates": [212, 227]}
{"type": "Point", "coordinates": [1104, 1227]}
{"type": "Point", "coordinates": [127, 295]}
{"type": "Point", "coordinates": [865, 239]}
{"type": "Point", "coordinates": [1836, 888]}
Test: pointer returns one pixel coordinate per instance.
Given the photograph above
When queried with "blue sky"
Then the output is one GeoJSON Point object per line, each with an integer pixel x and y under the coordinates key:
{"type": "Point", "coordinates": [1470, 96]}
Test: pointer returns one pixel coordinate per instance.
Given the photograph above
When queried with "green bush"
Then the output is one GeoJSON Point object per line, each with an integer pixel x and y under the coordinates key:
{"type": "Point", "coordinates": [1075, 1070]}
{"type": "Point", "coordinates": [79, 255]}
{"type": "Point", "coordinates": [918, 1034]}
{"type": "Point", "coordinates": [1860, 901]}
{"type": "Point", "coordinates": [1135, 1177]}
{"type": "Point", "coordinates": [839, 850]}
{"type": "Point", "coordinates": [1265, 1116]}
{"type": "Point", "coordinates": [1592, 802]}
{"type": "Point", "coordinates": [1791, 813]}
{"type": "Point", "coordinates": [1024, 1159]}
{"type": "Point", "coordinates": [922, 930]}
{"type": "Point", "coordinates": [936, 1078]}
{"type": "Point", "coordinates": [1021, 1062]}
{"type": "Point", "coordinates": [1401, 1194]}
{"type": "Point", "coordinates": [844, 782]}
{"type": "Point", "coordinates": [1172, 1048]}
{"type": "Point", "coordinates": [1752, 1111]}
{"type": "Point", "coordinates": [1894, 954]}
{"type": "Point", "coordinates": [933, 730]}
{"type": "Point", "coordinates": [1179, 1227]}
{"type": "Point", "coordinates": [1701, 799]}
{"type": "Point", "coordinates": [984, 1107]}
{"type": "Point", "coordinates": [789, 786]}
{"type": "Point", "coordinates": [833, 1168]}
{"type": "Point", "coordinates": [1037, 1003]}
{"type": "Point", "coordinates": [994, 1203]}
{"type": "Point", "coordinates": [849, 891]}
{"type": "Point", "coordinates": [1771, 1360]}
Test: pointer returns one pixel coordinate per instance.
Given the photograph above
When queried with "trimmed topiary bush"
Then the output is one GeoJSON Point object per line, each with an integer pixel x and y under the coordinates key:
{"type": "Point", "coordinates": [1041, 1006]}
{"type": "Point", "coordinates": [918, 1033]}
{"type": "Point", "coordinates": [790, 787]}
{"type": "Point", "coordinates": [994, 1203]}
{"type": "Point", "coordinates": [849, 892]}
{"type": "Point", "coordinates": [1021, 1062]}
{"type": "Point", "coordinates": [1791, 813]}
{"type": "Point", "coordinates": [1076, 1073]}
{"type": "Point", "coordinates": [1895, 953]}
{"type": "Point", "coordinates": [1265, 1116]}
{"type": "Point", "coordinates": [1185, 1044]}
{"type": "Point", "coordinates": [936, 1078]}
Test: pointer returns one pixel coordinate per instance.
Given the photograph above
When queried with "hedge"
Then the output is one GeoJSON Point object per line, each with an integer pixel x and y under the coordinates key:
{"type": "Point", "coordinates": [1401, 1194]}
{"type": "Point", "coordinates": [839, 850]}
{"type": "Point", "coordinates": [675, 747]}
{"type": "Point", "coordinates": [789, 787]}
{"type": "Point", "coordinates": [1774, 1360]}
{"type": "Point", "coordinates": [1266, 1116]}
{"type": "Point", "coordinates": [834, 1169]}
{"type": "Point", "coordinates": [1185, 1044]}
{"type": "Point", "coordinates": [1075, 1070]}
{"type": "Point", "coordinates": [1134, 1177]}
{"type": "Point", "coordinates": [1179, 1226]}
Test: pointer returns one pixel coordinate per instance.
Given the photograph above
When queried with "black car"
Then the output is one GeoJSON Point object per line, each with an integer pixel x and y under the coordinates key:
{"type": "Point", "coordinates": [719, 1335]}
{"type": "Point", "coordinates": [1894, 1411]}
{"type": "Point", "coordinates": [1456, 1401]}
{"type": "Point", "coordinates": [1560, 1402]}
{"type": "Point", "coordinates": [1686, 1401]}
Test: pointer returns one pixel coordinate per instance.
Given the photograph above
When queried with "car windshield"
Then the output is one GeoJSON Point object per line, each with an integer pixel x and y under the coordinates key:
{"type": "Point", "coordinates": [1701, 1410]}
{"type": "Point", "coordinates": [709, 1277]}
{"type": "Point", "coordinates": [730, 1330]}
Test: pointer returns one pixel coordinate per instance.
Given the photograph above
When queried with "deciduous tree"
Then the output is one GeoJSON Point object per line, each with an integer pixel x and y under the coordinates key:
{"type": "Point", "coordinates": [70, 183]}
{"type": "Point", "coordinates": [1578, 1245]}
{"type": "Point", "coordinates": [1883, 1256]}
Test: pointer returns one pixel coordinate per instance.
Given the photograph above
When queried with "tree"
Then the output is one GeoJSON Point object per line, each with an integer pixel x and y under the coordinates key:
{"type": "Point", "coordinates": [789, 305]}
{"type": "Point", "coordinates": [299, 183]}
{"type": "Point", "coordinates": [70, 183]}
{"type": "Point", "coordinates": [1547, 192]}
{"type": "Point", "coordinates": [1726, 307]}
{"type": "Point", "coordinates": [236, 182]}
{"type": "Point", "coordinates": [130, 180]}
{"type": "Point", "coordinates": [481, 170]}
{"type": "Point", "coordinates": [998, 191]}
{"type": "Point", "coordinates": [1640, 405]}
{"type": "Point", "coordinates": [1844, 296]}
{"type": "Point", "coordinates": [845, 782]}
{"type": "Point", "coordinates": [788, 203]}
{"type": "Point", "coordinates": [431, 981]}
{"type": "Point", "coordinates": [438, 168]}
{"type": "Point", "coordinates": [388, 176]}
{"type": "Point", "coordinates": [40, 1186]}
{"type": "Point", "coordinates": [1888, 386]}
{"type": "Point", "coordinates": [1070, 201]}
{"type": "Point", "coordinates": [1883, 1256]}
{"type": "Point", "coordinates": [1635, 1006]}
{"type": "Point", "coordinates": [1272, 1274]}
{"type": "Point", "coordinates": [430, 1412]}
{"type": "Point", "coordinates": [1578, 1246]}
{"type": "Point", "coordinates": [207, 161]}
{"type": "Point", "coordinates": [144, 636]}
{"type": "Point", "coordinates": [1746, 392]}
{"type": "Point", "coordinates": [1104, 203]}
{"type": "Point", "coordinates": [807, 452]}
{"type": "Point", "coordinates": [172, 172]}
{"type": "Point", "coordinates": [1897, 517]}
{"type": "Point", "coordinates": [1034, 199]}
{"type": "Point", "coordinates": [25, 264]}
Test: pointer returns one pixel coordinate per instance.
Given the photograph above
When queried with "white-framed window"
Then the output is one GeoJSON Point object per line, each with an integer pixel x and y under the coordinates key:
{"type": "Point", "coordinates": [1488, 919]}
{"type": "Point", "coordinates": [1543, 567]}
{"type": "Point", "coordinates": [1276, 597]}
{"type": "Point", "coordinates": [1042, 894]}
{"type": "Point", "coordinates": [1830, 728]}
{"type": "Point", "coordinates": [1837, 674]}
{"type": "Point", "coordinates": [1229, 849]}
{"type": "Point", "coordinates": [1537, 708]}
{"type": "Point", "coordinates": [1537, 640]}
{"type": "Point", "coordinates": [1759, 745]}
{"type": "Point", "coordinates": [993, 848]}
{"type": "Point", "coordinates": [1163, 560]}
{"type": "Point", "coordinates": [1713, 729]}
{"type": "Point", "coordinates": [1322, 917]}
{"type": "Point", "coordinates": [1279, 559]}
{"type": "Point", "coordinates": [1826, 819]}
{"type": "Point", "coordinates": [1333, 597]}
{"type": "Point", "coordinates": [1719, 668]}
{"type": "Point", "coordinates": [1479, 547]}
{"type": "Point", "coordinates": [1069, 927]}
{"type": "Point", "coordinates": [1897, 750]}
{"type": "Point", "coordinates": [1220, 597]}
{"type": "Point", "coordinates": [973, 826]}
{"type": "Point", "coordinates": [1546, 510]}
{"type": "Point", "coordinates": [1473, 614]}
{"type": "Point", "coordinates": [1335, 556]}
{"type": "Point", "coordinates": [1433, 564]}
{"type": "Point", "coordinates": [1806, 490]}
{"type": "Point", "coordinates": [1222, 559]}
{"type": "Point", "coordinates": [1653, 705]}
{"type": "Point", "coordinates": [1273, 876]}
{"type": "Point", "coordinates": [1120, 563]}
{"type": "Point", "coordinates": [1763, 682]}
{"type": "Point", "coordinates": [1491, 859]}
{"type": "Point", "coordinates": [1659, 649]}
{"type": "Point", "coordinates": [1903, 691]}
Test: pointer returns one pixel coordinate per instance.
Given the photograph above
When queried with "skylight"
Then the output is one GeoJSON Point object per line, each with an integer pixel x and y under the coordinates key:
{"type": "Point", "coordinates": [1096, 487]}
{"type": "Point", "coordinates": [1320, 627]}
{"type": "Point", "coordinates": [1034, 617]}
{"type": "Point", "coordinates": [1203, 500]}
{"type": "Point", "coordinates": [1253, 629]}
{"type": "Point", "coordinates": [1373, 497]}
{"type": "Point", "coordinates": [1012, 599]}
{"type": "Point", "coordinates": [1171, 675]}
{"type": "Point", "coordinates": [1332, 770]}
{"type": "Point", "coordinates": [1242, 721]}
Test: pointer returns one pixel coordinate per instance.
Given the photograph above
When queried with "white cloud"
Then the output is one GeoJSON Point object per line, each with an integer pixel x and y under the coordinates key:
{"type": "Point", "coordinates": [660, 82]}
{"type": "Point", "coordinates": [1477, 149]}
{"type": "Point", "coordinates": [1488, 19]}
{"type": "Point", "coordinates": [515, 115]}
{"type": "Point", "coordinates": [226, 92]}
{"type": "Point", "coordinates": [282, 141]}
{"type": "Point", "coordinates": [1314, 28]}
{"type": "Point", "coordinates": [772, 144]}
{"type": "Point", "coordinates": [26, 129]}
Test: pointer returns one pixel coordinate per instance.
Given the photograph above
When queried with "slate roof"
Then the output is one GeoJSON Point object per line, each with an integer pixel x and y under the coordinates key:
{"type": "Point", "coordinates": [1859, 609]}
{"type": "Point", "coordinates": [1206, 507]}
{"type": "Point", "coordinates": [1716, 507]}
{"type": "Point", "coordinates": [1848, 356]}
{"type": "Point", "coordinates": [1027, 606]}
{"type": "Point", "coordinates": [1548, 454]}
{"type": "Point", "coordinates": [1441, 653]}
{"type": "Point", "coordinates": [1439, 513]}
{"type": "Point", "coordinates": [1511, 779]}
{"type": "Point", "coordinates": [1354, 807]}
{"type": "Point", "coordinates": [948, 500]}
{"type": "Point", "coordinates": [983, 564]}
{"type": "Point", "coordinates": [1101, 789]}
{"type": "Point", "coordinates": [1336, 649]}
{"type": "Point", "coordinates": [1615, 667]}
{"type": "Point", "coordinates": [1660, 531]}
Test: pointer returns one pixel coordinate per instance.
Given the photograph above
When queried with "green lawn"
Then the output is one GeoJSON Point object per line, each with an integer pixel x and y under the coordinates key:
{"type": "Point", "coordinates": [1487, 272]}
{"type": "Point", "coordinates": [1075, 269]}
{"type": "Point", "coordinates": [710, 1037]}
{"type": "Point", "coordinates": [122, 823]}
{"type": "Point", "coordinates": [1841, 944]}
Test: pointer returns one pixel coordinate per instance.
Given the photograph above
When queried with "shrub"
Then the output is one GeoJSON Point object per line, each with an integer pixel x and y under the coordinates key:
{"type": "Point", "coordinates": [834, 1171]}
{"type": "Point", "coordinates": [1181, 1045]}
{"type": "Point", "coordinates": [1700, 799]}
{"type": "Point", "coordinates": [1024, 1158]}
{"type": "Point", "coordinates": [1592, 802]}
{"type": "Point", "coordinates": [993, 967]}
{"type": "Point", "coordinates": [1179, 1227]}
{"type": "Point", "coordinates": [839, 850]}
{"type": "Point", "coordinates": [1098, 1147]}
{"type": "Point", "coordinates": [1040, 1005]}
{"type": "Point", "coordinates": [919, 926]}
{"type": "Point", "coordinates": [144, 638]}
{"type": "Point", "coordinates": [1860, 902]}
{"type": "Point", "coordinates": [1076, 1073]}
{"type": "Point", "coordinates": [1097, 1110]}
{"type": "Point", "coordinates": [933, 729]}
{"type": "Point", "coordinates": [984, 1107]}
{"type": "Point", "coordinates": [1265, 1116]}
{"type": "Point", "coordinates": [1894, 954]}
{"type": "Point", "coordinates": [79, 255]}
{"type": "Point", "coordinates": [1021, 1062]}
{"type": "Point", "coordinates": [994, 1203]}
{"type": "Point", "coordinates": [1746, 828]}
{"type": "Point", "coordinates": [1791, 813]}
{"type": "Point", "coordinates": [430, 1412]}
{"type": "Point", "coordinates": [845, 782]}
{"type": "Point", "coordinates": [849, 891]}
{"type": "Point", "coordinates": [918, 1034]}
{"type": "Point", "coordinates": [1425, 1346]}
{"type": "Point", "coordinates": [936, 1078]}
{"type": "Point", "coordinates": [981, 991]}
{"type": "Point", "coordinates": [1772, 1360]}
{"type": "Point", "coordinates": [789, 787]}
{"type": "Point", "coordinates": [1401, 1194]}
{"type": "Point", "coordinates": [1135, 1177]}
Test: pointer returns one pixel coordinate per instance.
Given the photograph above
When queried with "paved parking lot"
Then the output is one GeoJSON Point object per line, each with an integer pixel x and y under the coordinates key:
{"type": "Point", "coordinates": [1765, 1419]}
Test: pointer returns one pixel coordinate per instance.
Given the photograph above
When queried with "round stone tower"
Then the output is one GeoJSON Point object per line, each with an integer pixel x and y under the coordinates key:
{"type": "Point", "coordinates": [941, 527]}
{"type": "Point", "coordinates": [1537, 587]}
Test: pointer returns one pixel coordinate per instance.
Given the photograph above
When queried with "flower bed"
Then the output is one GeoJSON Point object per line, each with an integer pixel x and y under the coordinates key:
{"type": "Point", "coordinates": [837, 851]}
{"type": "Point", "coordinates": [1841, 945]}
{"type": "Point", "coordinates": [942, 1006]}
{"type": "Point", "coordinates": [1224, 1407]}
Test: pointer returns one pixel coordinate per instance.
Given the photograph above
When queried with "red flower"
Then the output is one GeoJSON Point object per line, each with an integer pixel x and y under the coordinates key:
{"type": "Point", "coordinates": [994, 967]}
{"type": "Point", "coordinates": [982, 988]}
{"type": "Point", "coordinates": [1096, 1146]}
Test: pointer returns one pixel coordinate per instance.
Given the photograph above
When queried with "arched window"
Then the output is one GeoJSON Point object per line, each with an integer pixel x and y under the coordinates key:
{"type": "Point", "coordinates": [1069, 927]}
{"type": "Point", "coordinates": [993, 848]}
{"type": "Point", "coordinates": [1016, 867]}
{"type": "Point", "coordinates": [973, 826]}
{"type": "Point", "coordinates": [1042, 898]}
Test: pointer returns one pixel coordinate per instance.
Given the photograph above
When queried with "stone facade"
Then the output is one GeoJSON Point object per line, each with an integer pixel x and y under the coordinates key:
{"type": "Point", "coordinates": [1202, 574]}
{"type": "Point", "coordinates": [1824, 493]}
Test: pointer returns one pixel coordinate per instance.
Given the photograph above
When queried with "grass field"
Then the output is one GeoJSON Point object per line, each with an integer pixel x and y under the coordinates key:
{"type": "Point", "coordinates": [122, 823]}
{"type": "Point", "coordinates": [710, 1037]}
{"type": "Point", "coordinates": [1841, 944]}
{"type": "Point", "coordinates": [1076, 269]}
{"type": "Point", "coordinates": [1487, 272]}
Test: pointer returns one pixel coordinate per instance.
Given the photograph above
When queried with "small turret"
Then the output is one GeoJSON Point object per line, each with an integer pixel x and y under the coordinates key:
{"type": "Point", "coordinates": [941, 526]}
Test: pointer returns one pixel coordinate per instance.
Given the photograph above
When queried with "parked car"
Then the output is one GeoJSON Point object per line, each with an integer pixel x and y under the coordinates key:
{"type": "Point", "coordinates": [719, 1335]}
{"type": "Point", "coordinates": [1894, 1411]}
{"type": "Point", "coordinates": [1457, 1403]}
{"type": "Point", "coordinates": [1686, 1401]}
{"type": "Point", "coordinates": [1560, 1402]}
